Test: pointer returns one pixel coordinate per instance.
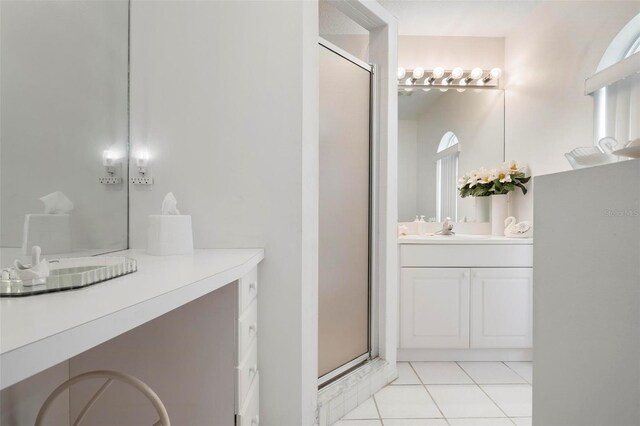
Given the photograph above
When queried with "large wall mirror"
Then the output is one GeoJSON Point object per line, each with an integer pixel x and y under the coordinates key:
{"type": "Point", "coordinates": [442, 135]}
{"type": "Point", "coordinates": [64, 125]}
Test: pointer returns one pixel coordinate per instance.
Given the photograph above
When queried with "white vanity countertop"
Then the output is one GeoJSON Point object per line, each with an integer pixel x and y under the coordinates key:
{"type": "Point", "coordinates": [461, 239]}
{"type": "Point", "coordinates": [37, 332]}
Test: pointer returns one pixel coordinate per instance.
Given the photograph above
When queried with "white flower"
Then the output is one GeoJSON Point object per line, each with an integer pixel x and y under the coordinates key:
{"type": "Point", "coordinates": [514, 167]}
{"type": "Point", "coordinates": [485, 175]}
{"type": "Point", "coordinates": [474, 178]}
{"type": "Point", "coordinates": [504, 175]}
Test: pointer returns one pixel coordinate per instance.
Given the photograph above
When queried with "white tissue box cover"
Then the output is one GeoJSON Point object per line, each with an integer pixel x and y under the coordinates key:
{"type": "Point", "coordinates": [52, 232]}
{"type": "Point", "coordinates": [169, 235]}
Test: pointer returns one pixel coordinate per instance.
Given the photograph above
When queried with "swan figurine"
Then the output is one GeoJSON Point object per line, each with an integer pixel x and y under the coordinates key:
{"type": "Point", "coordinates": [35, 272]}
{"type": "Point", "coordinates": [516, 230]}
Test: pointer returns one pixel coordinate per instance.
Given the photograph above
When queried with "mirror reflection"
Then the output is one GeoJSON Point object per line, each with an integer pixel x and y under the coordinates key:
{"type": "Point", "coordinates": [441, 135]}
{"type": "Point", "coordinates": [64, 133]}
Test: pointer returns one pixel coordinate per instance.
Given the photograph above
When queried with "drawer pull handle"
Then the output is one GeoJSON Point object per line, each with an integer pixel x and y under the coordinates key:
{"type": "Point", "coordinates": [253, 328]}
{"type": "Point", "coordinates": [255, 421]}
{"type": "Point", "coordinates": [253, 286]}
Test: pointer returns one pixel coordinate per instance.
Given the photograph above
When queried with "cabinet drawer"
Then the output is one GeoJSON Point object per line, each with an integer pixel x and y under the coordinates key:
{"type": "Point", "coordinates": [466, 255]}
{"type": "Point", "coordinates": [249, 414]}
{"type": "Point", "coordinates": [245, 373]}
{"type": "Point", "coordinates": [247, 290]}
{"type": "Point", "coordinates": [247, 330]}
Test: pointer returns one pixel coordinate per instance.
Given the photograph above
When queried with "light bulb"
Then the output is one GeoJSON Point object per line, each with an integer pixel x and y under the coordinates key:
{"type": "Point", "coordinates": [426, 89]}
{"type": "Point", "coordinates": [408, 89]}
{"type": "Point", "coordinates": [438, 72]}
{"type": "Point", "coordinates": [427, 82]}
{"type": "Point", "coordinates": [408, 81]}
{"type": "Point", "coordinates": [418, 73]}
{"type": "Point", "coordinates": [462, 83]}
{"type": "Point", "coordinates": [475, 74]}
{"type": "Point", "coordinates": [479, 83]}
{"type": "Point", "coordinates": [495, 73]}
{"type": "Point", "coordinates": [444, 83]}
{"type": "Point", "coordinates": [457, 73]}
{"type": "Point", "coordinates": [401, 73]}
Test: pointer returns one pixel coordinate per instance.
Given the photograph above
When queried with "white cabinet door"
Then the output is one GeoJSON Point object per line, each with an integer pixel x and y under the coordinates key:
{"type": "Point", "coordinates": [434, 308]}
{"type": "Point", "coordinates": [501, 308]}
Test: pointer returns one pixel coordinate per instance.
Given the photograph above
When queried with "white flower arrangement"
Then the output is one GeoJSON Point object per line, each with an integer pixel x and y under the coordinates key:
{"type": "Point", "coordinates": [483, 182]}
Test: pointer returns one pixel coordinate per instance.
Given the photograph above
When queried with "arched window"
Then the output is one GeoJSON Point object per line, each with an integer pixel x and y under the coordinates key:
{"type": "Point", "coordinates": [616, 91]}
{"type": "Point", "coordinates": [635, 48]}
{"type": "Point", "coordinates": [447, 176]}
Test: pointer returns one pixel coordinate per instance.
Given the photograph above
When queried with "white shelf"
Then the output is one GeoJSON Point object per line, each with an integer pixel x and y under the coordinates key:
{"type": "Point", "coordinates": [38, 332]}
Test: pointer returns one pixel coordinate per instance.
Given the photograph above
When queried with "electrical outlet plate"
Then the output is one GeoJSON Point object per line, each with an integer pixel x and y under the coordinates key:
{"type": "Point", "coordinates": [110, 180]}
{"type": "Point", "coordinates": [141, 180]}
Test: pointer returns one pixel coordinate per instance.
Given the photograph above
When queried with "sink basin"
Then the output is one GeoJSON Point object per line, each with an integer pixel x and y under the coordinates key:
{"type": "Point", "coordinates": [71, 273]}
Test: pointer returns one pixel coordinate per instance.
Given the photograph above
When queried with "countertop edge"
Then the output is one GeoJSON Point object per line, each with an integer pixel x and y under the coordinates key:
{"type": "Point", "coordinates": [22, 362]}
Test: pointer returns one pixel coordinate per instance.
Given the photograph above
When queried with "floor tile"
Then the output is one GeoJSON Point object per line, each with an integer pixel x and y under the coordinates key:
{"type": "Point", "coordinates": [358, 423]}
{"type": "Point", "coordinates": [441, 373]}
{"type": "Point", "coordinates": [414, 422]}
{"type": "Point", "coordinates": [481, 422]}
{"type": "Point", "coordinates": [515, 400]}
{"type": "Point", "coordinates": [522, 421]}
{"type": "Point", "coordinates": [405, 402]}
{"type": "Point", "coordinates": [524, 369]}
{"type": "Point", "coordinates": [491, 373]}
{"type": "Point", "coordinates": [366, 410]}
{"type": "Point", "coordinates": [463, 401]}
{"type": "Point", "coordinates": [406, 375]}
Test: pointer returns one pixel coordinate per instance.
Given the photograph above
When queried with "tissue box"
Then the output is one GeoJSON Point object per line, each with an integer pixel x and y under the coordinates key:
{"type": "Point", "coordinates": [52, 232]}
{"type": "Point", "coordinates": [169, 235]}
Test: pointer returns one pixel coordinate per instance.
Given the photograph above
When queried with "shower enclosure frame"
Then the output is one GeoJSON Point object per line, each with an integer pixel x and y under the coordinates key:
{"type": "Point", "coordinates": [372, 340]}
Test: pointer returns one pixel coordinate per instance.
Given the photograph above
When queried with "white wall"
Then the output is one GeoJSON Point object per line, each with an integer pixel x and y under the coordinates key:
{"type": "Point", "coordinates": [548, 57]}
{"type": "Point", "coordinates": [224, 95]}
{"type": "Point", "coordinates": [64, 101]}
{"type": "Point", "coordinates": [407, 169]}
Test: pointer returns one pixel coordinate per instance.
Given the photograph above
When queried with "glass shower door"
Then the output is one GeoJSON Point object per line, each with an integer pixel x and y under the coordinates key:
{"type": "Point", "coordinates": [344, 213]}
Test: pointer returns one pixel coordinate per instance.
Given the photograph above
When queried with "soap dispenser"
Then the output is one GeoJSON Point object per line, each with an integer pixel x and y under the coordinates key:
{"type": "Point", "coordinates": [422, 226]}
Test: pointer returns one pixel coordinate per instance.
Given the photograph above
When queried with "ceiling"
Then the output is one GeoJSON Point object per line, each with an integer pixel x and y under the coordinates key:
{"type": "Point", "coordinates": [477, 18]}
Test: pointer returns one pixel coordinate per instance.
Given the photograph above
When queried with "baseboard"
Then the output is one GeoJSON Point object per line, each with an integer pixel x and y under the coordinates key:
{"type": "Point", "coordinates": [465, 355]}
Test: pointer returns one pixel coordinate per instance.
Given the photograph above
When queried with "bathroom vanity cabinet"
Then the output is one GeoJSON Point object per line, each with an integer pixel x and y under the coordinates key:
{"type": "Point", "coordinates": [465, 299]}
{"type": "Point", "coordinates": [185, 325]}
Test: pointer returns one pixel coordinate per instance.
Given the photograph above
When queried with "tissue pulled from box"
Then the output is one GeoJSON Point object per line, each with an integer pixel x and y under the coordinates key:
{"type": "Point", "coordinates": [56, 203]}
{"type": "Point", "coordinates": [170, 204]}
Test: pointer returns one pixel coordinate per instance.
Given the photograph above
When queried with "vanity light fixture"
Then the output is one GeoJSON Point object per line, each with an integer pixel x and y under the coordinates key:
{"type": "Point", "coordinates": [439, 78]}
{"type": "Point", "coordinates": [112, 167]}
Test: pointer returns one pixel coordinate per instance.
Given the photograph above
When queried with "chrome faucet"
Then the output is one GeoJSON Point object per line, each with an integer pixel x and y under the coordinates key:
{"type": "Point", "coordinates": [447, 228]}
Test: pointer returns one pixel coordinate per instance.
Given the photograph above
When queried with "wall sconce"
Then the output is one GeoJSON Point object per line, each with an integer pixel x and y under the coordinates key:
{"type": "Point", "coordinates": [112, 168]}
{"type": "Point", "coordinates": [142, 166]}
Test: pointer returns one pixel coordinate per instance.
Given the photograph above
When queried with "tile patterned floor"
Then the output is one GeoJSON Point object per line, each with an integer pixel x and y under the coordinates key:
{"type": "Point", "coordinates": [450, 393]}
